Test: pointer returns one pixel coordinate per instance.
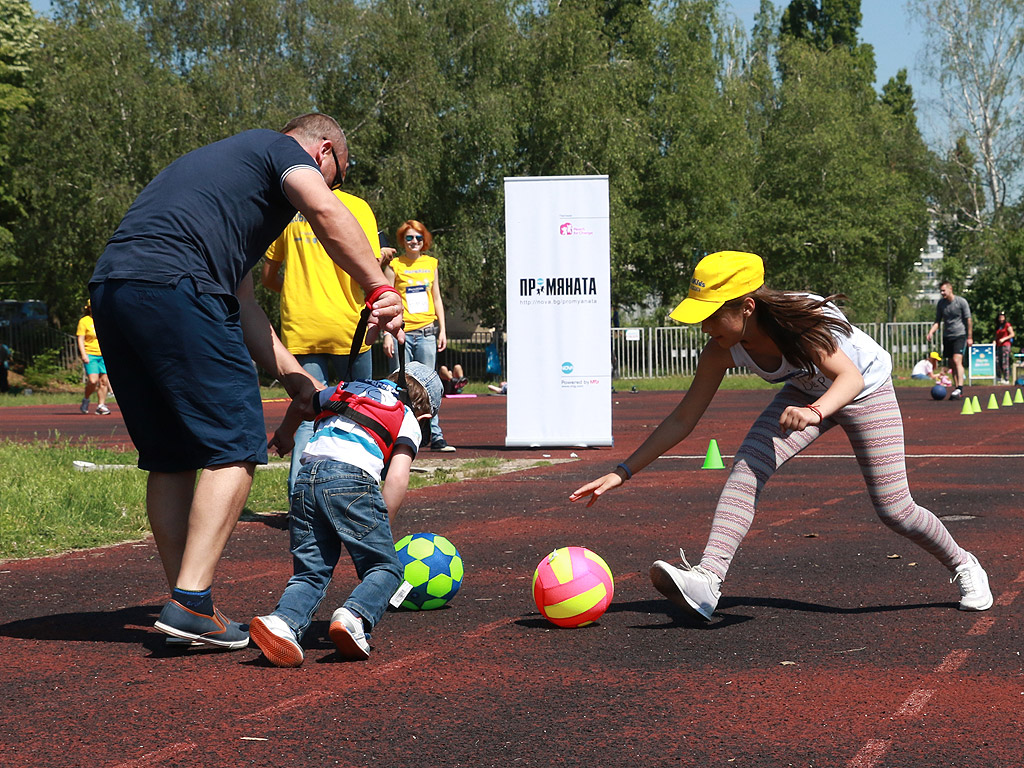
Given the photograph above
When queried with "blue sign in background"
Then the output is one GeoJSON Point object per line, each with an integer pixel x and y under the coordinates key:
{"type": "Point", "coordinates": [982, 364]}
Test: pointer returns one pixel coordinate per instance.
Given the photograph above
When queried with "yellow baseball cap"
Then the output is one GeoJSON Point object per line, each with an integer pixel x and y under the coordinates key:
{"type": "Point", "coordinates": [718, 278]}
{"type": "Point", "coordinates": [935, 356]}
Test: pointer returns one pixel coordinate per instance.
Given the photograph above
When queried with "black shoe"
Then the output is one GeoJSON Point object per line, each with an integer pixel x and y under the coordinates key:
{"type": "Point", "coordinates": [217, 630]}
{"type": "Point", "coordinates": [442, 446]}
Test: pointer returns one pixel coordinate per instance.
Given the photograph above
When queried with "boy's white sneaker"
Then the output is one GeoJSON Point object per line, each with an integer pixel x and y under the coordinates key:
{"type": "Point", "coordinates": [348, 635]}
{"type": "Point", "coordinates": [975, 594]}
{"type": "Point", "coordinates": [277, 641]}
{"type": "Point", "coordinates": [692, 587]}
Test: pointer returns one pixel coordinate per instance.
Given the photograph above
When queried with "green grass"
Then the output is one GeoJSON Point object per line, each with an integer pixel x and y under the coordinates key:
{"type": "Point", "coordinates": [48, 507]}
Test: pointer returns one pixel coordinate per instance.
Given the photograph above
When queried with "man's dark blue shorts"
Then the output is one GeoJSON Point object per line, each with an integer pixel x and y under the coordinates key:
{"type": "Point", "coordinates": [185, 382]}
{"type": "Point", "coordinates": [953, 345]}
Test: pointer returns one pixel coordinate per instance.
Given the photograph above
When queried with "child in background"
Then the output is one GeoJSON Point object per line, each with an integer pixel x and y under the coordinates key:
{"type": "Point", "coordinates": [364, 433]}
{"type": "Point", "coordinates": [833, 374]}
{"type": "Point", "coordinates": [927, 368]}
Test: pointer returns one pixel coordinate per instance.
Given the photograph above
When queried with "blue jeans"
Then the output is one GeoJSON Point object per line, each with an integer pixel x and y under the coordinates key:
{"type": "Point", "coordinates": [421, 346]}
{"type": "Point", "coordinates": [319, 367]}
{"type": "Point", "coordinates": [334, 504]}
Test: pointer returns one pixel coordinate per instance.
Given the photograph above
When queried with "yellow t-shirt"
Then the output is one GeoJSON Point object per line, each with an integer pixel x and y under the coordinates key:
{"type": "Point", "coordinates": [87, 328]}
{"type": "Point", "coordinates": [414, 279]}
{"type": "Point", "coordinates": [320, 302]}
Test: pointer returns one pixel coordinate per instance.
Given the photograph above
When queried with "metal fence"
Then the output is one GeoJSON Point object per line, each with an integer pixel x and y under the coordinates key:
{"type": "Point", "coordinates": [30, 339]}
{"type": "Point", "coordinates": [637, 353]}
{"type": "Point", "coordinates": [648, 353]}
{"type": "Point", "coordinates": [469, 352]}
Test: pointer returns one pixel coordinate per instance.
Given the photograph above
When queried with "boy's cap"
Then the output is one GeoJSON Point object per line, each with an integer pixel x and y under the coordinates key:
{"type": "Point", "coordinates": [935, 356]}
{"type": "Point", "coordinates": [430, 382]}
{"type": "Point", "coordinates": [718, 278]}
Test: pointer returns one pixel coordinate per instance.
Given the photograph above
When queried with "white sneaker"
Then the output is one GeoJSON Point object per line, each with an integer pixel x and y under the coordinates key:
{"type": "Point", "coordinates": [277, 641]}
{"type": "Point", "coordinates": [348, 636]}
{"type": "Point", "coordinates": [102, 410]}
{"type": "Point", "coordinates": [975, 594]}
{"type": "Point", "coordinates": [691, 587]}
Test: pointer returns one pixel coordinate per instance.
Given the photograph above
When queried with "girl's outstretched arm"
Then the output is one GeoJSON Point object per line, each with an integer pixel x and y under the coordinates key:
{"type": "Point", "coordinates": [846, 385]}
{"type": "Point", "coordinates": [714, 362]}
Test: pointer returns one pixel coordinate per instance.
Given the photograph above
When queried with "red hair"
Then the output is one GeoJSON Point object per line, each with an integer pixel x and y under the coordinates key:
{"type": "Point", "coordinates": [419, 229]}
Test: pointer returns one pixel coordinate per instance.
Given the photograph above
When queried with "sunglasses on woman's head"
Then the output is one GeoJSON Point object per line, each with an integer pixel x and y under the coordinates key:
{"type": "Point", "coordinates": [417, 238]}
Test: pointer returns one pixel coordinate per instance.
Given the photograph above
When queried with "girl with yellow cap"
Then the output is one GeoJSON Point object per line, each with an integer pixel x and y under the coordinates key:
{"type": "Point", "coordinates": [833, 374]}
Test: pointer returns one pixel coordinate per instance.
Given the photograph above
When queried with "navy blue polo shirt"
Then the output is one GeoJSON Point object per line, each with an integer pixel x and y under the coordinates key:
{"type": "Point", "coordinates": [210, 215]}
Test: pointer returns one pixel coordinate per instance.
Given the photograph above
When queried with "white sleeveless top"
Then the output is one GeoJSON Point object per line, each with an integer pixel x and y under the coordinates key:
{"type": "Point", "coordinates": [873, 362]}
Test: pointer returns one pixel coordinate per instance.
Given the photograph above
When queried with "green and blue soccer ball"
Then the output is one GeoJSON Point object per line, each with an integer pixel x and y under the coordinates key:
{"type": "Point", "coordinates": [433, 567]}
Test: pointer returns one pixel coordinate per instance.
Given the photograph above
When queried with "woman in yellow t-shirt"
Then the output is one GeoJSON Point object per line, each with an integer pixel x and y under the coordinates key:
{"type": "Point", "coordinates": [95, 369]}
{"type": "Point", "coordinates": [414, 275]}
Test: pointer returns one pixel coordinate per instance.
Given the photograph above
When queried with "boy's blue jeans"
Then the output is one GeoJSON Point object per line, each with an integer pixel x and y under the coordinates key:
{"type": "Point", "coordinates": [334, 504]}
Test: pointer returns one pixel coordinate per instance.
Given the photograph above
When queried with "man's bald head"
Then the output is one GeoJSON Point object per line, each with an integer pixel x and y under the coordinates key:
{"type": "Point", "coordinates": [315, 127]}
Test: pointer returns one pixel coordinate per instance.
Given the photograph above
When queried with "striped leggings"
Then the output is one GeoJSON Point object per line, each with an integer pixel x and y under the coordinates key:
{"type": "Point", "coordinates": [875, 428]}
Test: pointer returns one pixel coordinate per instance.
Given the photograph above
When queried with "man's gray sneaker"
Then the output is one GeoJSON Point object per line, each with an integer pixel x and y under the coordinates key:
{"type": "Point", "coordinates": [217, 630]}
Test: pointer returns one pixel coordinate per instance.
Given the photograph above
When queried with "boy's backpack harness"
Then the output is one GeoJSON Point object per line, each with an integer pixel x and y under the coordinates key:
{"type": "Point", "coordinates": [360, 400]}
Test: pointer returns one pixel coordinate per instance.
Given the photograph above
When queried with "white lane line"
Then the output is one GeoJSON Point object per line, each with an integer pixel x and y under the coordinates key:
{"type": "Point", "coordinates": [851, 456]}
{"type": "Point", "coordinates": [981, 626]}
{"type": "Point", "coordinates": [289, 704]}
{"type": "Point", "coordinates": [870, 754]}
{"type": "Point", "coordinates": [953, 661]}
{"type": "Point", "coordinates": [1007, 598]}
{"type": "Point", "coordinates": [160, 756]}
{"type": "Point", "coordinates": [915, 702]}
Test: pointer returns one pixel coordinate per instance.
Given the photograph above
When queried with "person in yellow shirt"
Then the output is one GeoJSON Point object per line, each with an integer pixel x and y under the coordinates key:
{"type": "Point", "coordinates": [320, 306]}
{"type": "Point", "coordinates": [92, 358]}
{"type": "Point", "coordinates": [414, 275]}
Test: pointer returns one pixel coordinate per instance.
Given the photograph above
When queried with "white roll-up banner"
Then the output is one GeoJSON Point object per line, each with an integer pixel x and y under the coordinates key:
{"type": "Point", "coordinates": [557, 271]}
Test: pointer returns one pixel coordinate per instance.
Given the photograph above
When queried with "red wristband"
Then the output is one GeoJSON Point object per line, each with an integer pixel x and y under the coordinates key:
{"type": "Point", "coordinates": [815, 409]}
{"type": "Point", "coordinates": [379, 291]}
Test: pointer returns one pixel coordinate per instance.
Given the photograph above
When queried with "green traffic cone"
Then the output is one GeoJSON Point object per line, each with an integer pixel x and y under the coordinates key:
{"type": "Point", "coordinates": [713, 460]}
{"type": "Point", "coordinates": [967, 410]}
{"type": "Point", "coordinates": [975, 404]}
{"type": "Point", "coordinates": [1017, 398]}
{"type": "Point", "coordinates": [1007, 402]}
{"type": "Point", "coordinates": [992, 404]}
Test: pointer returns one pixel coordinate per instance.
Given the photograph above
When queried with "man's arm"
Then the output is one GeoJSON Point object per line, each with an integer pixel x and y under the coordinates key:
{"type": "Point", "coordinates": [267, 350]}
{"type": "Point", "coordinates": [344, 240]}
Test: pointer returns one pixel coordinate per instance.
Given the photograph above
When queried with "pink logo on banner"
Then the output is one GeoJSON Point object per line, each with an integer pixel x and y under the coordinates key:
{"type": "Point", "coordinates": [571, 229]}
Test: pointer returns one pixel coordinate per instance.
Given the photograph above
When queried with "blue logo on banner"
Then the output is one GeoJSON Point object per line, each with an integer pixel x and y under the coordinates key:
{"type": "Point", "coordinates": [566, 367]}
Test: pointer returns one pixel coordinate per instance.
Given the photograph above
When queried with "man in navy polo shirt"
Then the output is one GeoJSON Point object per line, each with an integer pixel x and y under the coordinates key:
{"type": "Point", "coordinates": [173, 300]}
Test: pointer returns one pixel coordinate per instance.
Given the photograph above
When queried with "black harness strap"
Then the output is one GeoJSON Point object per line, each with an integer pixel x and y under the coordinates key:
{"type": "Point", "coordinates": [357, 342]}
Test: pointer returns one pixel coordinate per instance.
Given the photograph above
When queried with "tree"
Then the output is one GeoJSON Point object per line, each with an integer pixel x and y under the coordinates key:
{"type": "Point", "coordinates": [116, 119]}
{"type": "Point", "coordinates": [978, 58]}
{"type": "Point", "coordinates": [19, 36]}
{"type": "Point", "coordinates": [837, 210]}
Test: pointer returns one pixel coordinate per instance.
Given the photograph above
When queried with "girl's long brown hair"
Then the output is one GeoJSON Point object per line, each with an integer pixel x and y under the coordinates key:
{"type": "Point", "coordinates": [797, 324]}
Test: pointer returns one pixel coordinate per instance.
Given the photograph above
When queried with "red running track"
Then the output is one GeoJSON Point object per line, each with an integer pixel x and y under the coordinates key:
{"type": "Point", "coordinates": [827, 649]}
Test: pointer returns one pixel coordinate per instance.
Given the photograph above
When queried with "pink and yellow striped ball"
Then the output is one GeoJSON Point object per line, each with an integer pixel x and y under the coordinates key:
{"type": "Point", "coordinates": [573, 586]}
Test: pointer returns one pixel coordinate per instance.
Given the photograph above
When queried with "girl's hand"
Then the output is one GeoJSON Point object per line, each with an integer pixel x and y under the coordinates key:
{"type": "Point", "coordinates": [389, 346]}
{"type": "Point", "coordinates": [595, 488]}
{"type": "Point", "coordinates": [798, 418]}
